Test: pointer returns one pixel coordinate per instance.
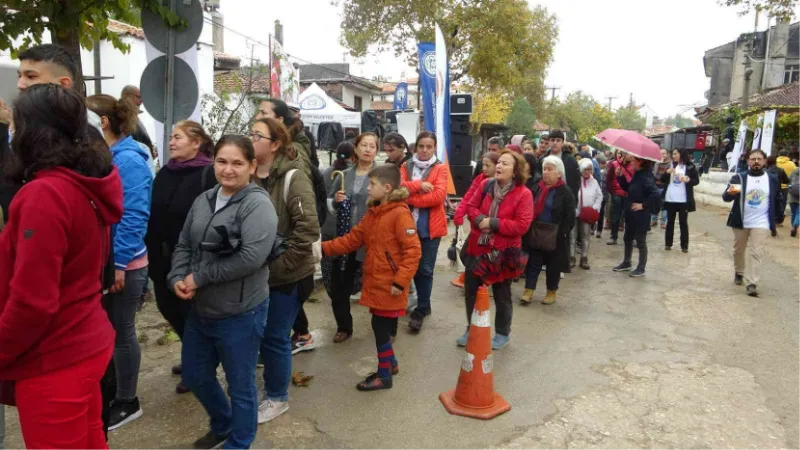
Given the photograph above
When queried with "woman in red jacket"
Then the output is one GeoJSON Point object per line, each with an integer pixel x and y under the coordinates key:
{"type": "Point", "coordinates": [500, 213]}
{"type": "Point", "coordinates": [55, 338]}
{"type": "Point", "coordinates": [426, 177]}
{"type": "Point", "coordinates": [489, 162]}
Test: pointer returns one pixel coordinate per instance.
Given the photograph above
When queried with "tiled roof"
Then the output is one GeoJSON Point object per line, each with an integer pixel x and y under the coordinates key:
{"type": "Point", "coordinates": [388, 88]}
{"type": "Point", "coordinates": [125, 29]}
{"type": "Point", "coordinates": [539, 126]}
{"type": "Point", "coordinates": [785, 96]}
{"type": "Point", "coordinates": [382, 105]}
{"type": "Point", "coordinates": [234, 81]}
{"type": "Point", "coordinates": [226, 57]}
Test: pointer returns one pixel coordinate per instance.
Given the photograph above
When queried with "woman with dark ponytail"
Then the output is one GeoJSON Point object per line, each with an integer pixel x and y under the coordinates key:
{"type": "Point", "coordinates": [278, 109]}
{"type": "Point", "coordinates": [188, 174]}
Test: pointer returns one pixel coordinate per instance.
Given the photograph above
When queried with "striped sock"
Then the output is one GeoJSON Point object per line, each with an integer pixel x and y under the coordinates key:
{"type": "Point", "coordinates": [385, 360]}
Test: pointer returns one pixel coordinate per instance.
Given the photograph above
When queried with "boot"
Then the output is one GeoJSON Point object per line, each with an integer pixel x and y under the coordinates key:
{"type": "Point", "coordinates": [585, 263]}
{"type": "Point", "coordinates": [458, 281]}
{"type": "Point", "coordinates": [550, 298]}
{"type": "Point", "coordinates": [527, 297]}
{"type": "Point", "coordinates": [571, 262]}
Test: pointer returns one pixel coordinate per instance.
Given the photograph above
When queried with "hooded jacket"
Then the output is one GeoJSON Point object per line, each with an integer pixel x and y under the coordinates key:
{"type": "Point", "coordinates": [787, 166]}
{"type": "Point", "coordinates": [297, 221]}
{"type": "Point", "coordinates": [393, 252]}
{"type": "Point", "coordinates": [52, 254]}
{"type": "Point", "coordinates": [137, 185]}
{"type": "Point", "coordinates": [234, 283]}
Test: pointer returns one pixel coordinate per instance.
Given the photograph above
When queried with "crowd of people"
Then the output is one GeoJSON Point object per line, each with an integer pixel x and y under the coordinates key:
{"type": "Point", "coordinates": [229, 233]}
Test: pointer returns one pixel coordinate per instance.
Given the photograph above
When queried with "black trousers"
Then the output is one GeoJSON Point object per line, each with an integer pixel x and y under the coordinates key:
{"type": "Point", "coordinates": [342, 284]}
{"type": "Point", "coordinates": [601, 220]}
{"type": "Point", "coordinates": [502, 302]}
{"type": "Point", "coordinates": [108, 384]}
{"type": "Point", "coordinates": [536, 260]}
{"type": "Point", "coordinates": [618, 206]}
{"type": "Point", "coordinates": [384, 328]}
{"type": "Point", "coordinates": [174, 310]}
{"type": "Point", "coordinates": [641, 243]}
{"type": "Point", "coordinates": [681, 210]}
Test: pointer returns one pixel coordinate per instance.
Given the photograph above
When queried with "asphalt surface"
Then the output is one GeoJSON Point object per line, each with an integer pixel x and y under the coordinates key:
{"type": "Point", "coordinates": [679, 358]}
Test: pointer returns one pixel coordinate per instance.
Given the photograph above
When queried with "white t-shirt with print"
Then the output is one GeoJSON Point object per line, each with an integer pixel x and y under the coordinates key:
{"type": "Point", "coordinates": [756, 202]}
{"type": "Point", "coordinates": [676, 190]}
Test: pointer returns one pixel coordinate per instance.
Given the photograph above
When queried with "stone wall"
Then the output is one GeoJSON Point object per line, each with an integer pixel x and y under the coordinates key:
{"type": "Point", "coordinates": [709, 191]}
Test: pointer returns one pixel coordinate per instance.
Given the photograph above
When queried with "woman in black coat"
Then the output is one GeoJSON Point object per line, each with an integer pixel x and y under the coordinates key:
{"type": "Point", "coordinates": [679, 181]}
{"type": "Point", "coordinates": [643, 199]}
{"type": "Point", "coordinates": [188, 174]}
{"type": "Point", "coordinates": [553, 203]}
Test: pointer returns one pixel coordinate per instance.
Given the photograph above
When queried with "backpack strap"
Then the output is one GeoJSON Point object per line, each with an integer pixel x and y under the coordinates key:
{"type": "Point", "coordinates": [287, 181]}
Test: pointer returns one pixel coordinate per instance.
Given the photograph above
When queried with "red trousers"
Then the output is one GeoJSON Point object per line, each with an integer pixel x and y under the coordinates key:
{"type": "Point", "coordinates": [63, 409]}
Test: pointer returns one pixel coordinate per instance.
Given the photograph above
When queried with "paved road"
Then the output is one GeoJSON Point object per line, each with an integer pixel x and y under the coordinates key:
{"type": "Point", "coordinates": [681, 358]}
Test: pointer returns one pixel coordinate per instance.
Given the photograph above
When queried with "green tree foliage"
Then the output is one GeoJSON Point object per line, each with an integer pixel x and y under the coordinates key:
{"type": "Point", "coordinates": [783, 9]}
{"type": "Point", "coordinates": [502, 45]}
{"type": "Point", "coordinates": [580, 115]}
{"type": "Point", "coordinates": [521, 118]}
{"type": "Point", "coordinates": [630, 119]}
{"type": "Point", "coordinates": [72, 23]}
{"type": "Point", "coordinates": [679, 121]}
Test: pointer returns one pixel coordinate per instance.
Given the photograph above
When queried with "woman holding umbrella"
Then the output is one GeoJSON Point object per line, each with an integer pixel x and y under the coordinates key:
{"type": "Point", "coordinates": [349, 204]}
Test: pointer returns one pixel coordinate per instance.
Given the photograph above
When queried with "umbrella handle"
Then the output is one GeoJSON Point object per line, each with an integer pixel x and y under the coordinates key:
{"type": "Point", "coordinates": [333, 175]}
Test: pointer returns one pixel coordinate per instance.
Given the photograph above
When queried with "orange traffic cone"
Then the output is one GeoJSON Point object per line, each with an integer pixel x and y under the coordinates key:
{"type": "Point", "coordinates": [474, 395]}
{"type": "Point", "coordinates": [458, 281]}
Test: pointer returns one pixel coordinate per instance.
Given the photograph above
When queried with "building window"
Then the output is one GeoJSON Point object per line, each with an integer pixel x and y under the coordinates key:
{"type": "Point", "coordinates": [791, 74]}
{"type": "Point", "coordinates": [357, 103]}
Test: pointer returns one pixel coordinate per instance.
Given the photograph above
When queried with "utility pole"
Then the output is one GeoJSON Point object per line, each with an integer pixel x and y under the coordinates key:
{"type": "Point", "coordinates": [609, 101]}
{"type": "Point", "coordinates": [552, 90]}
{"type": "Point", "coordinates": [748, 72]}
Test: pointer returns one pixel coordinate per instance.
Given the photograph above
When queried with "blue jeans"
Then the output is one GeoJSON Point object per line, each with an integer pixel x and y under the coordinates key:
{"type": "Point", "coordinates": [276, 347]}
{"type": "Point", "coordinates": [232, 341]}
{"type": "Point", "coordinates": [424, 277]}
{"type": "Point", "coordinates": [795, 207]}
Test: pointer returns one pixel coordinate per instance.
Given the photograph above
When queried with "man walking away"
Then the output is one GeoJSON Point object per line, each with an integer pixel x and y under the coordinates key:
{"type": "Point", "coordinates": [755, 195]}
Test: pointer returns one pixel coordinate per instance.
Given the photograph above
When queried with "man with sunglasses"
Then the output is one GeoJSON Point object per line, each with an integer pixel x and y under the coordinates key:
{"type": "Point", "coordinates": [755, 194]}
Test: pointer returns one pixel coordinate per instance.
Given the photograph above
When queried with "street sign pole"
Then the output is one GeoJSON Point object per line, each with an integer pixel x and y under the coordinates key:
{"type": "Point", "coordinates": [169, 80]}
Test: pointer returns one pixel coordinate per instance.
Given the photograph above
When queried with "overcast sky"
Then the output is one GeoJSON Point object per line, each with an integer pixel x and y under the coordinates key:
{"type": "Point", "coordinates": [653, 49]}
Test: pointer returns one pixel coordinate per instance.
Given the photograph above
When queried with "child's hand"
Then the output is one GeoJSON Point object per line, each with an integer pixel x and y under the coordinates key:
{"type": "Point", "coordinates": [396, 291]}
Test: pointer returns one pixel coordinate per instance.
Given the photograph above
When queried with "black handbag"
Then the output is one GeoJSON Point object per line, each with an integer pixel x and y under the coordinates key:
{"type": "Point", "coordinates": [542, 236]}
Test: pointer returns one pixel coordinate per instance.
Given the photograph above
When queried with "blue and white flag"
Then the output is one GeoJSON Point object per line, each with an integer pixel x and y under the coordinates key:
{"type": "Point", "coordinates": [400, 97]}
{"type": "Point", "coordinates": [427, 83]}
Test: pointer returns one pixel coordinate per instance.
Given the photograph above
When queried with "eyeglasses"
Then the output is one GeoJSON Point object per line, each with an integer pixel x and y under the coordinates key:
{"type": "Point", "coordinates": [255, 137]}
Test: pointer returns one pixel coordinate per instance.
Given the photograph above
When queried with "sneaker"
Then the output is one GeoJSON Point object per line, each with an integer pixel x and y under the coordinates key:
{"type": "Point", "coordinates": [499, 341]}
{"type": "Point", "coordinates": [623, 267]}
{"type": "Point", "coordinates": [572, 262]}
{"type": "Point", "coordinates": [181, 388]}
{"type": "Point", "coordinates": [527, 297]}
{"type": "Point", "coordinates": [355, 298]}
{"type": "Point", "coordinates": [122, 412]}
{"type": "Point", "coordinates": [210, 440]}
{"type": "Point", "coordinates": [738, 279]}
{"type": "Point", "coordinates": [562, 275]}
{"type": "Point", "coordinates": [416, 321]}
{"type": "Point", "coordinates": [301, 344]}
{"type": "Point", "coordinates": [751, 291]}
{"type": "Point", "coordinates": [794, 232]}
{"type": "Point", "coordinates": [270, 409]}
{"type": "Point", "coordinates": [685, 250]}
{"type": "Point", "coordinates": [374, 383]}
{"type": "Point", "coordinates": [462, 341]}
{"type": "Point", "coordinates": [598, 235]}
{"type": "Point", "coordinates": [667, 248]}
{"type": "Point", "coordinates": [637, 273]}
{"type": "Point", "coordinates": [611, 242]}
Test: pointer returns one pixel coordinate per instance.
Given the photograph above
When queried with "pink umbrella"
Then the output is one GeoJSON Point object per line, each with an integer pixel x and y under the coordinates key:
{"type": "Point", "coordinates": [631, 142]}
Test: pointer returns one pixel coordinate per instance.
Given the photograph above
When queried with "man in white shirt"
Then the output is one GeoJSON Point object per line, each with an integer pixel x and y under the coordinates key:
{"type": "Point", "coordinates": [755, 196]}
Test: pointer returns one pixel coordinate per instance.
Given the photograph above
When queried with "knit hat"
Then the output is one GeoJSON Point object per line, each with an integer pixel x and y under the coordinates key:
{"type": "Point", "coordinates": [585, 163]}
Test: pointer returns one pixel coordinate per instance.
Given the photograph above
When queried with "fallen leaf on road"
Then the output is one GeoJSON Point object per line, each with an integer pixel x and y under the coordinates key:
{"type": "Point", "coordinates": [301, 379]}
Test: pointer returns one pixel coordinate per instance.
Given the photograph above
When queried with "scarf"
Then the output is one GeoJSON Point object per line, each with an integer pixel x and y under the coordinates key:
{"type": "Point", "coordinates": [201, 160]}
{"type": "Point", "coordinates": [419, 169]}
{"type": "Point", "coordinates": [540, 201]}
{"type": "Point", "coordinates": [498, 195]}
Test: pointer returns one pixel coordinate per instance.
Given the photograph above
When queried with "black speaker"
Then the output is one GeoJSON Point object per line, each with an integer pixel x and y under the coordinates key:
{"type": "Point", "coordinates": [461, 104]}
{"type": "Point", "coordinates": [459, 124]}
{"type": "Point", "coordinates": [460, 149]}
{"type": "Point", "coordinates": [462, 178]}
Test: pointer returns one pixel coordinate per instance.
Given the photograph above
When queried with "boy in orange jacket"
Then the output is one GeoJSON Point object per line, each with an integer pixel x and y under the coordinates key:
{"type": "Point", "coordinates": [393, 251]}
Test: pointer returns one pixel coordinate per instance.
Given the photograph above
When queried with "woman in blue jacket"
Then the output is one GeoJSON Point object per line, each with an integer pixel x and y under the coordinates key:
{"type": "Point", "coordinates": [118, 120]}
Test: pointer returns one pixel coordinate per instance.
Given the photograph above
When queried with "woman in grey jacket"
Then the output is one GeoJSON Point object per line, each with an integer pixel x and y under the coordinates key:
{"type": "Point", "coordinates": [220, 262]}
{"type": "Point", "coordinates": [344, 280]}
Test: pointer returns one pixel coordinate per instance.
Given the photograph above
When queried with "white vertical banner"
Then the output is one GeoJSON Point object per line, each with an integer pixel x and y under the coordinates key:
{"type": "Point", "coordinates": [738, 147]}
{"type": "Point", "coordinates": [757, 133]}
{"type": "Point", "coordinates": [768, 134]}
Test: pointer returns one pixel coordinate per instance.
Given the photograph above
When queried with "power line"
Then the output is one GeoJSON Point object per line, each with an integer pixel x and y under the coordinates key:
{"type": "Point", "coordinates": [373, 81]}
